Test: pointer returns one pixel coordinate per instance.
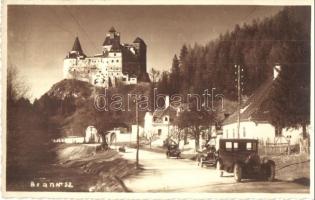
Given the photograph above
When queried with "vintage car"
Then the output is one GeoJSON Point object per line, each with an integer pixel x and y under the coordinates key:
{"type": "Point", "coordinates": [207, 156]}
{"type": "Point", "coordinates": [240, 156]}
{"type": "Point", "coordinates": [173, 151]}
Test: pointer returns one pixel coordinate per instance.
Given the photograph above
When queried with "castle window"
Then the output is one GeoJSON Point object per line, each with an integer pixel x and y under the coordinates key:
{"type": "Point", "coordinates": [117, 60]}
{"type": "Point", "coordinates": [112, 61]}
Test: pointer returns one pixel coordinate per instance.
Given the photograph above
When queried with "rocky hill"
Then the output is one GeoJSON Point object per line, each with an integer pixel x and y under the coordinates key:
{"type": "Point", "coordinates": [70, 105]}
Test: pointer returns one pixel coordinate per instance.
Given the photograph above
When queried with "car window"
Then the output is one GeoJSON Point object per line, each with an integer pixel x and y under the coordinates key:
{"type": "Point", "coordinates": [249, 146]}
{"type": "Point", "coordinates": [235, 146]}
{"type": "Point", "coordinates": [254, 146]}
{"type": "Point", "coordinates": [228, 146]}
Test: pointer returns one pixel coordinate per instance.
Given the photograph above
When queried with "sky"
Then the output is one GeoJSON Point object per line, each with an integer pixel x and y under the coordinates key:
{"type": "Point", "coordinates": [39, 37]}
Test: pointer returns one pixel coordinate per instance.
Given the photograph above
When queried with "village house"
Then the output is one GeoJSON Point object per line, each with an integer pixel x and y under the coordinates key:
{"type": "Point", "coordinates": [254, 120]}
{"type": "Point", "coordinates": [160, 123]}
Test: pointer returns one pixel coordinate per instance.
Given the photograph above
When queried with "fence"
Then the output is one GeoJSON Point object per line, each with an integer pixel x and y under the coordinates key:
{"type": "Point", "coordinates": [277, 148]}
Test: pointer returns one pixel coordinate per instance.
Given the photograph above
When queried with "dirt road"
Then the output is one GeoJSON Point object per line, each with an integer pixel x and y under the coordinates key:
{"type": "Point", "coordinates": [179, 175]}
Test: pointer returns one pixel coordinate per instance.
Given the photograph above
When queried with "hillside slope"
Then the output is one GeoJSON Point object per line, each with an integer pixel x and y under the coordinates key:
{"type": "Point", "coordinates": [70, 105]}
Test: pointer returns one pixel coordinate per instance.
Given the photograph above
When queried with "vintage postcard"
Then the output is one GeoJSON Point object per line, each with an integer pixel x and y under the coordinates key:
{"type": "Point", "coordinates": [192, 99]}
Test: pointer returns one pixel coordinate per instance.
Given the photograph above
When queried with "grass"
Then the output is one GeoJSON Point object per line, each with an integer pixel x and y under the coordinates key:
{"type": "Point", "coordinates": [294, 168]}
{"type": "Point", "coordinates": [83, 167]}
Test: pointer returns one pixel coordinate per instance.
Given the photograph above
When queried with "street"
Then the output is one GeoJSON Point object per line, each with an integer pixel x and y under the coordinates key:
{"type": "Point", "coordinates": [180, 175]}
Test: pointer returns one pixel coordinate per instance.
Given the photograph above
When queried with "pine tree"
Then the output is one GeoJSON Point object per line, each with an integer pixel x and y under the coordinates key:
{"type": "Point", "coordinates": [175, 76]}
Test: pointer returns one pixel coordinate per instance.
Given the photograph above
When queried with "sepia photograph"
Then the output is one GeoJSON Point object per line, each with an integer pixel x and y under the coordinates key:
{"type": "Point", "coordinates": [116, 98]}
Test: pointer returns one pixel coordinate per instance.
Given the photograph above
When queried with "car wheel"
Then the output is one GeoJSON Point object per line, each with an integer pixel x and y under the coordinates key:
{"type": "Point", "coordinates": [271, 172]}
{"type": "Point", "coordinates": [219, 169]}
{"type": "Point", "coordinates": [237, 172]}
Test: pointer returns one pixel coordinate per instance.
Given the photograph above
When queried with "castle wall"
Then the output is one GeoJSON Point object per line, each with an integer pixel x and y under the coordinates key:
{"type": "Point", "coordinates": [117, 63]}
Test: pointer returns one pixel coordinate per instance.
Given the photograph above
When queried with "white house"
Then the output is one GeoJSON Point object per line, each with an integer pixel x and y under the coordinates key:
{"type": "Point", "coordinates": [74, 140]}
{"type": "Point", "coordinates": [92, 136]}
{"type": "Point", "coordinates": [254, 121]}
{"type": "Point", "coordinates": [161, 122]}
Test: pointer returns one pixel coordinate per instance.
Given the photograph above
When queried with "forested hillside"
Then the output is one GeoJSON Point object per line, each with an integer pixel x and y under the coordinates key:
{"type": "Point", "coordinates": [257, 47]}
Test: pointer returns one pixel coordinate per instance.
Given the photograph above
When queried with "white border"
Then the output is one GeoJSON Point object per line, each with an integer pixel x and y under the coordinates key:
{"type": "Point", "coordinates": [153, 195]}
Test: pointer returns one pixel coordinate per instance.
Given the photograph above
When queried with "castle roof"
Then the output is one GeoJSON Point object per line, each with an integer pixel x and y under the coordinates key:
{"type": "Point", "coordinates": [112, 41]}
{"type": "Point", "coordinates": [107, 41]}
{"type": "Point", "coordinates": [77, 46]}
{"type": "Point", "coordinates": [138, 40]}
{"type": "Point", "coordinates": [112, 30]}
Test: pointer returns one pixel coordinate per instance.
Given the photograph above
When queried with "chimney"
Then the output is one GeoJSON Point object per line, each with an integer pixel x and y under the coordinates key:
{"type": "Point", "coordinates": [167, 101]}
{"type": "Point", "coordinates": [276, 71]}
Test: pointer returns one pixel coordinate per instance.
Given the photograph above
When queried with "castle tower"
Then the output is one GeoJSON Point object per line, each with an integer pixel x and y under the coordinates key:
{"type": "Point", "coordinates": [112, 41]}
{"type": "Point", "coordinates": [141, 49]}
{"type": "Point", "coordinates": [76, 48]}
{"type": "Point", "coordinates": [71, 59]}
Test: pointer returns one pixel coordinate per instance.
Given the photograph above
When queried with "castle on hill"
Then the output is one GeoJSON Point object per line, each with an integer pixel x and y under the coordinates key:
{"type": "Point", "coordinates": [119, 63]}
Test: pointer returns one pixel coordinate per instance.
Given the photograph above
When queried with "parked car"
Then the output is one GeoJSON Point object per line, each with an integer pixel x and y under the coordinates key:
{"type": "Point", "coordinates": [173, 151]}
{"type": "Point", "coordinates": [240, 156]}
{"type": "Point", "coordinates": [207, 156]}
{"type": "Point", "coordinates": [122, 149]}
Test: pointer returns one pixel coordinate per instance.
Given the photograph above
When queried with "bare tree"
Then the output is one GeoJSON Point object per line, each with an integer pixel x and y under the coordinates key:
{"type": "Point", "coordinates": [16, 85]}
{"type": "Point", "coordinates": [154, 75]}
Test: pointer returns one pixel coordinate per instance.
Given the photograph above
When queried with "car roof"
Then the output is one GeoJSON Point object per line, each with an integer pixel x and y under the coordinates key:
{"type": "Point", "coordinates": [238, 140]}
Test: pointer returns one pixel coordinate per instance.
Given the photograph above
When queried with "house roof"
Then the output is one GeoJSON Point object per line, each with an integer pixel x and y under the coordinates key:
{"type": "Point", "coordinates": [255, 108]}
{"type": "Point", "coordinates": [159, 113]}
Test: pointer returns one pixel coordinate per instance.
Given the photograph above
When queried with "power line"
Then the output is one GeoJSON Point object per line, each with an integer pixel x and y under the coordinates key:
{"type": "Point", "coordinates": [58, 19]}
{"type": "Point", "coordinates": [81, 27]}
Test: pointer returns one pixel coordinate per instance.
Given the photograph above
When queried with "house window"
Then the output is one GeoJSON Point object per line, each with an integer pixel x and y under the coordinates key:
{"type": "Point", "coordinates": [244, 132]}
{"type": "Point", "coordinates": [117, 60]}
{"type": "Point", "coordinates": [166, 119]}
{"type": "Point", "coordinates": [227, 133]}
{"type": "Point", "coordinates": [114, 54]}
{"type": "Point", "coordinates": [159, 132]}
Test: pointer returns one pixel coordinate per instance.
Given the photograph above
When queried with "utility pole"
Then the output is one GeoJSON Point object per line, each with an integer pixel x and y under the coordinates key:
{"type": "Point", "coordinates": [238, 98]}
{"type": "Point", "coordinates": [137, 118]}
